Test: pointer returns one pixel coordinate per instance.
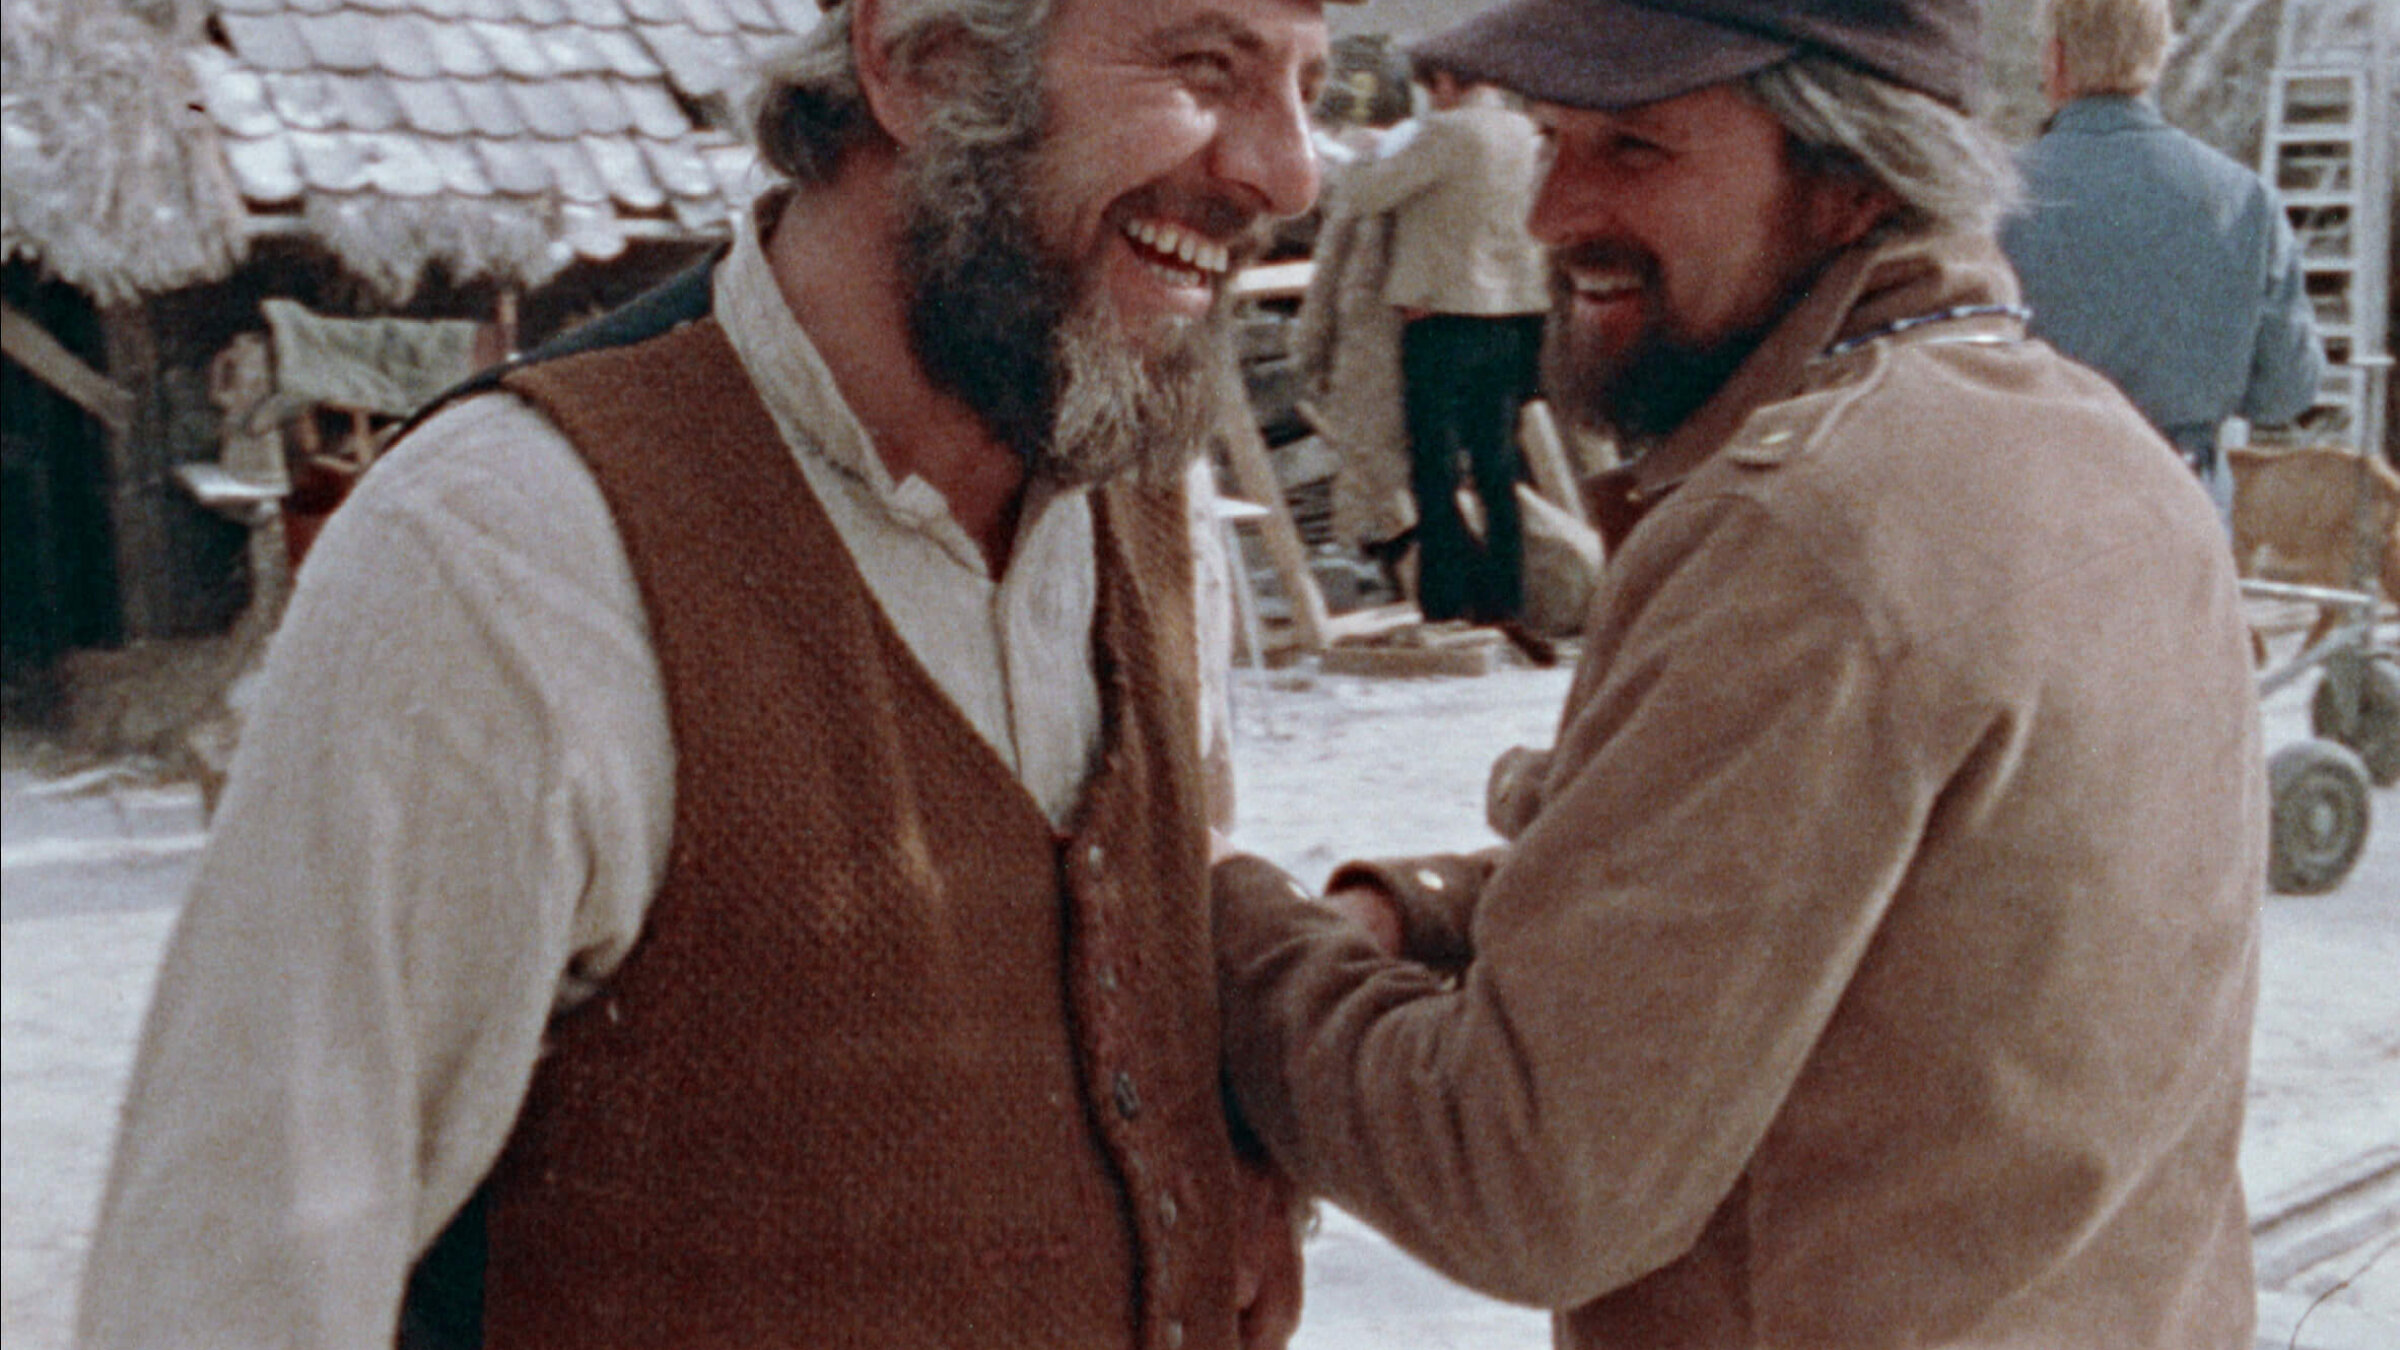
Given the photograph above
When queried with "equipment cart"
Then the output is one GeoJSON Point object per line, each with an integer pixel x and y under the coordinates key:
{"type": "Point", "coordinates": [2321, 809]}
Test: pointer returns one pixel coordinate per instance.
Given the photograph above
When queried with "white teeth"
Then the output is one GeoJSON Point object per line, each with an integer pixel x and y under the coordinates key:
{"type": "Point", "coordinates": [1174, 242]}
{"type": "Point", "coordinates": [1605, 286]}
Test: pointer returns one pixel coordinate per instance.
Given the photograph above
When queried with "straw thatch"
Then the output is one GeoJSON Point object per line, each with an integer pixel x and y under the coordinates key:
{"type": "Point", "coordinates": [107, 175]}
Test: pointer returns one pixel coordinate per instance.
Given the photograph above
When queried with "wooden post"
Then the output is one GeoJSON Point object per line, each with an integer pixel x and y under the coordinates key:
{"type": "Point", "coordinates": [1254, 475]}
{"type": "Point", "coordinates": [504, 317]}
{"type": "Point", "coordinates": [137, 473]}
{"type": "Point", "coordinates": [30, 345]}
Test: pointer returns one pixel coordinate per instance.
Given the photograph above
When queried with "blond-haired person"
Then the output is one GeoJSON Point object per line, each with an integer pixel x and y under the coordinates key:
{"type": "Point", "coordinates": [2149, 256]}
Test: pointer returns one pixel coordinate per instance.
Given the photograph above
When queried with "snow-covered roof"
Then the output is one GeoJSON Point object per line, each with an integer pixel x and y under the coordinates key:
{"type": "Point", "coordinates": [499, 137]}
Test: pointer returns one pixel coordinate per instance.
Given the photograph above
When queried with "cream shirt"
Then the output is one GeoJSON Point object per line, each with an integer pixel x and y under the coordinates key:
{"type": "Point", "coordinates": [445, 824]}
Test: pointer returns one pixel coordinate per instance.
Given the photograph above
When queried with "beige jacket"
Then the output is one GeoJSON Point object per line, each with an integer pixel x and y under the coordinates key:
{"type": "Point", "coordinates": [1348, 346]}
{"type": "Point", "coordinates": [1876, 967]}
{"type": "Point", "coordinates": [1459, 189]}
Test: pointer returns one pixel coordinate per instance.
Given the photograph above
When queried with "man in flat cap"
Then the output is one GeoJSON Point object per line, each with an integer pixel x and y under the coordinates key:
{"type": "Point", "coordinates": [720, 861]}
{"type": "Point", "coordinates": [1872, 962]}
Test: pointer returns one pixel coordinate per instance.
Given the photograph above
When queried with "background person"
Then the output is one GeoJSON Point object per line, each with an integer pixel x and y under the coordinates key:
{"type": "Point", "coordinates": [1874, 959]}
{"type": "Point", "coordinates": [720, 856]}
{"type": "Point", "coordinates": [1470, 285]}
{"type": "Point", "coordinates": [2151, 257]}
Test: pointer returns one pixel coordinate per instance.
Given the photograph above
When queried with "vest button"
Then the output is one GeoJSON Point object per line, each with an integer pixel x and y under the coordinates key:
{"type": "Point", "coordinates": [1129, 1102]}
{"type": "Point", "coordinates": [1174, 1335]}
{"type": "Point", "coordinates": [1108, 979]}
{"type": "Point", "coordinates": [1095, 856]}
{"type": "Point", "coordinates": [1166, 1210]}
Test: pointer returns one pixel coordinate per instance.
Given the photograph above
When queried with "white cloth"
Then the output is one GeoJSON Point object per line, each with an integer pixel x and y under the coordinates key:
{"type": "Point", "coordinates": [446, 822]}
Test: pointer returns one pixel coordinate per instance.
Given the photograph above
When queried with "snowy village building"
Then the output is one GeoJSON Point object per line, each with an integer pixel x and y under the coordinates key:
{"type": "Point", "coordinates": [190, 186]}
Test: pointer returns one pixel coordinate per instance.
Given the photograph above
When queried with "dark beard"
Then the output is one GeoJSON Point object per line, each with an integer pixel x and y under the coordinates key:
{"type": "Point", "coordinates": [1654, 390]}
{"type": "Point", "coordinates": [1000, 321]}
{"type": "Point", "coordinates": [1643, 396]}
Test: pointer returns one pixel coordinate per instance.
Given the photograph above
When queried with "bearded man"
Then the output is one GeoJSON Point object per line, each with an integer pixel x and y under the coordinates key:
{"type": "Point", "coordinates": [1872, 962]}
{"type": "Point", "coordinates": [720, 860]}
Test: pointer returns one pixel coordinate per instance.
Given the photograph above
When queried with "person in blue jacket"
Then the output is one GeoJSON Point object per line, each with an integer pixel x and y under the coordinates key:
{"type": "Point", "coordinates": [2151, 257]}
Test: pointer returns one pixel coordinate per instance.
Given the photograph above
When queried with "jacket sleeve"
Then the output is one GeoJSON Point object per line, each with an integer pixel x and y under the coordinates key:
{"type": "Point", "coordinates": [448, 800]}
{"type": "Point", "coordinates": [1729, 810]}
{"type": "Point", "coordinates": [1376, 185]}
{"type": "Point", "coordinates": [2288, 360]}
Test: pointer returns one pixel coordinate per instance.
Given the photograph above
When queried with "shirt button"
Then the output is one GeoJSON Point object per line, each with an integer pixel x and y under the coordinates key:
{"type": "Point", "coordinates": [1167, 1210]}
{"type": "Point", "coordinates": [1129, 1102]}
{"type": "Point", "coordinates": [1174, 1335]}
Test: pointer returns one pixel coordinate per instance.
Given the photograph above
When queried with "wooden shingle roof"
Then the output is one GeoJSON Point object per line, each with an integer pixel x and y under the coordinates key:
{"type": "Point", "coordinates": [496, 138]}
{"type": "Point", "coordinates": [578, 119]}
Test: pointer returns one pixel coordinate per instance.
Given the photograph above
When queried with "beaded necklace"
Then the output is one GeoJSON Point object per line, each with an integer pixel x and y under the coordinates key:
{"type": "Point", "coordinates": [1898, 326]}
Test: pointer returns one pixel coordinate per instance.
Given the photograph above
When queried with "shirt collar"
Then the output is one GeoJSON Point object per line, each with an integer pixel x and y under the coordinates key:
{"type": "Point", "coordinates": [2095, 114]}
{"type": "Point", "coordinates": [799, 391]}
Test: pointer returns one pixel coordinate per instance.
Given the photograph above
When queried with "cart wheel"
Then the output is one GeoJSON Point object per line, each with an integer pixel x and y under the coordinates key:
{"type": "Point", "coordinates": [2319, 816]}
{"type": "Point", "coordinates": [2376, 737]}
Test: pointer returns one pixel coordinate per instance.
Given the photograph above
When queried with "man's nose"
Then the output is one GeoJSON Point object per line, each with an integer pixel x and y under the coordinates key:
{"type": "Point", "coordinates": [1265, 150]}
{"type": "Point", "coordinates": [1568, 204]}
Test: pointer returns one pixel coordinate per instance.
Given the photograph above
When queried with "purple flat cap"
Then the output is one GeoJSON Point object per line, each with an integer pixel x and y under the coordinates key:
{"type": "Point", "coordinates": [1618, 53]}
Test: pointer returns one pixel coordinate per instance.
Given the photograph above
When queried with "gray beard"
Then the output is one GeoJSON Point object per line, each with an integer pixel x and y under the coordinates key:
{"type": "Point", "coordinates": [1000, 321]}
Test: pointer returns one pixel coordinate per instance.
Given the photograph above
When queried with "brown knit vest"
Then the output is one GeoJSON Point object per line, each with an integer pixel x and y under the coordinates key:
{"type": "Point", "coordinates": [893, 1064]}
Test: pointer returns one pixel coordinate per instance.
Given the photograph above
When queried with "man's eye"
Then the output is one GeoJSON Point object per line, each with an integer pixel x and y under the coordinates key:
{"type": "Point", "coordinates": [1634, 151]}
{"type": "Point", "coordinates": [1206, 70]}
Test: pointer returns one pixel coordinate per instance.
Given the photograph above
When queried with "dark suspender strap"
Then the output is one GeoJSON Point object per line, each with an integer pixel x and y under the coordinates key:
{"type": "Point", "coordinates": [682, 298]}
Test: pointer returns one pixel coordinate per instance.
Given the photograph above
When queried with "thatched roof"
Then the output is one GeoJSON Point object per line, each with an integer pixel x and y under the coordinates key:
{"type": "Point", "coordinates": [498, 138]}
{"type": "Point", "coordinates": [106, 173]}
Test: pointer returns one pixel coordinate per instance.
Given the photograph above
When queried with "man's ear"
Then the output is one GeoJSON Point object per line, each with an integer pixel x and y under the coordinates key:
{"type": "Point", "coordinates": [1844, 208]}
{"type": "Point", "coordinates": [903, 86]}
{"type": "Point", "coordinates": [2054, 73]}
{"type": "Point", "coordinates": [895, 99]}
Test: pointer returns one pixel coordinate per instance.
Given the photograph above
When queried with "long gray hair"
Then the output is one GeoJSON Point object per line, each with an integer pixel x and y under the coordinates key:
{"type": "Point", "coordinates": [1950, 171]}
{"type": "Point", "coordinates": [807, 110]}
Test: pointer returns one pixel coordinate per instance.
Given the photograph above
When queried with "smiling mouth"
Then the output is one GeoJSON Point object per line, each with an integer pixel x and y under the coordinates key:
{"type": "Point", "coordinates": [1600, 289]}
{"type": "Point", "coordinates": [1177, 255]}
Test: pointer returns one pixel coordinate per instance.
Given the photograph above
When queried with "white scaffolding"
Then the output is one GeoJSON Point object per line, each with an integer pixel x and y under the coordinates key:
{"type": "Point", "coordinates": [2328, 150]}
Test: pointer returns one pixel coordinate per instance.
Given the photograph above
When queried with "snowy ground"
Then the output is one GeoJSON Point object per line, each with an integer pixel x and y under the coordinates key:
{"type": "Point", "coordinates": [1331, 767]}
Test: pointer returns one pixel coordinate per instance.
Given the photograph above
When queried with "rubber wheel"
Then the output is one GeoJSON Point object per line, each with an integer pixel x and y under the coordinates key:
{"type": "Point", "coordinates": [2319, 816]}
{"type": "Point", "coordinates": [2376, 738]}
